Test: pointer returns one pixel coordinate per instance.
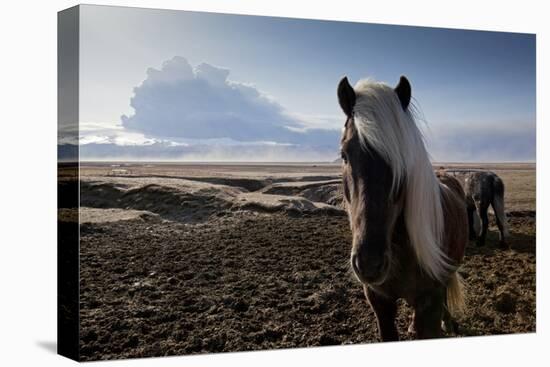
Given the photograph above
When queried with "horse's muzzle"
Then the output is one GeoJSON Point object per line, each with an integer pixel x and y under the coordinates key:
{"type": "Point", "coordinates": [368, 269]}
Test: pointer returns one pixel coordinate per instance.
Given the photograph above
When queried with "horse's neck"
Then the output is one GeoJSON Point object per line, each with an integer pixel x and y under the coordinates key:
{"type": "Point", "coordinates": [400, 240]}
{"type": "Point", "coordinates": [451, 193]}
{"type": "Point", "coordinates": [456, 221]}
{"type": "Point", "coordinates": [406, 275]}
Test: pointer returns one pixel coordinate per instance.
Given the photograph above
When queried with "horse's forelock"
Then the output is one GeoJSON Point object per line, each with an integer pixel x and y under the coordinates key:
{"type": "Point", "coordinates": [383, 125]}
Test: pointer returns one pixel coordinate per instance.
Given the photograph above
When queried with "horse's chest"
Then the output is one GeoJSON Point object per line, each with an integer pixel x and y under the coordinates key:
{"type": "Point", "coordinates": [404, 283]}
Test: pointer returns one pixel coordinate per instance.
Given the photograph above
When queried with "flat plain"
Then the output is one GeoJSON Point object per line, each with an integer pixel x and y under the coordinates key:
{"type": "Point", "coordinates": [202, 258]}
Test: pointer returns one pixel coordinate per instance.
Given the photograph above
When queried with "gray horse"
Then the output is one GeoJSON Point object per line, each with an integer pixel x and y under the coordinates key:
{"type": "Point", "coordinates": [484, 188]}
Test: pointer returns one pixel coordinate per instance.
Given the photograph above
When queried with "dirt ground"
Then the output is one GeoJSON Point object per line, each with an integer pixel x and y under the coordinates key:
{"type": "Point", "coordinates": [269, 275]}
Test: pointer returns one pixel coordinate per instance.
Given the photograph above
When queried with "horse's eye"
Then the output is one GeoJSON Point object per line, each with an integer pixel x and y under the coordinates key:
{"type": "Point", "coordinates": [344, 156]}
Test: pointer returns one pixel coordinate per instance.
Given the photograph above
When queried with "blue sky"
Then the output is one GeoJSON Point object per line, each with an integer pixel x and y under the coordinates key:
{"type": "Point", "coordinates": [159, 84]}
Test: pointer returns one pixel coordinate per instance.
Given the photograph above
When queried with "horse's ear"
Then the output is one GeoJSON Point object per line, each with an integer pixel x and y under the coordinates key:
{"type": "Point", "coordinates": [403, 91]}
{"type": "Point", "coordinates": [346, 96]}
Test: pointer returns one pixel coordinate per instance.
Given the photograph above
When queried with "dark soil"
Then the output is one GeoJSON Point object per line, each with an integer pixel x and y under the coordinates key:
{"type": "Point", "coordinates": [151, 287]}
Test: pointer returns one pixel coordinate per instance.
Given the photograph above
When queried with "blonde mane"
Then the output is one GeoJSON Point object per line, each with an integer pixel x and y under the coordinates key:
{"type": "Point", "coordinates": [384, 126]}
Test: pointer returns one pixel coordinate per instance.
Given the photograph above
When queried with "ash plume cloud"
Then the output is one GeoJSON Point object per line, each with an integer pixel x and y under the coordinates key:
{"type": "Point", "coordinates": [179, 101]}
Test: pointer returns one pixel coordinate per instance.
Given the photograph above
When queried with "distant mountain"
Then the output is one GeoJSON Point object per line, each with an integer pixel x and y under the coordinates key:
{"type": "Point", "coordinates": [160, 151]}
{"type": "Point", "coordinates": [67, 152]}
{"type": "Point", "coordinates": [337, 160]}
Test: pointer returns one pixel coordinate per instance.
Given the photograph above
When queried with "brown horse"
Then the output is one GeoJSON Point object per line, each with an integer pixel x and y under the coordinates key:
{"type": "Point", "coordinates": [409, 226]}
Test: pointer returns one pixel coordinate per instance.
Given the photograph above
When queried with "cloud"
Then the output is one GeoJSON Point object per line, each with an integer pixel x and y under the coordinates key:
{"type": "Point", "coordinates": [179, 101]}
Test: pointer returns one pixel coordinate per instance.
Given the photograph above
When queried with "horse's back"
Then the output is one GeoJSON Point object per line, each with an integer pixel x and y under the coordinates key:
{"type": "Point", "coordinates": [452, 183]}
{"type": "Point", "coordinates": [456, 217]}
{"type": "Point", "coordinates": [483, 185]}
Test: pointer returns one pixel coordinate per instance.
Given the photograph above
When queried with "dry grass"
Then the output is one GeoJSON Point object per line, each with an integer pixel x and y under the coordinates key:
{"type": "Point", "coordinates": [519, 181]}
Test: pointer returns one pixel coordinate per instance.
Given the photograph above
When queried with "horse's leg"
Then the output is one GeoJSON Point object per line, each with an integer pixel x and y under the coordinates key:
{"type": "Point", "coordinates": [449, 324]}
{"type": "Point", "coordinates": [483, 207]}
{"type": "Point", "coordinates": [471, 230]}
{"type": "Point", "coordinates": [411, 329]}
{"type": "Point", "coordinates": [498, 208]}
{"type": "Point", "coordinates": [385, 310]}
{"type": "Point", "coordinates": [428, 314]}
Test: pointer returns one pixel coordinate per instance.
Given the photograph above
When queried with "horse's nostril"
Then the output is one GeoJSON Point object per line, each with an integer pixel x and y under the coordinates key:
{"type": "Point", "coordinates": [366, 269]}
{"type": "Point", "coordinates": [374, 264]}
